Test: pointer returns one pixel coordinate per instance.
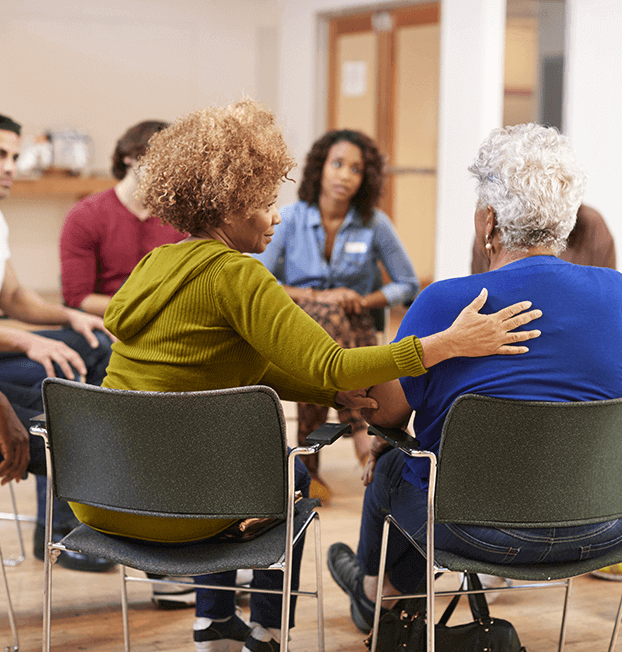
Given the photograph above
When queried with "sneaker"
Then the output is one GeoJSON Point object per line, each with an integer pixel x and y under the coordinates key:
{"type": "Point", "coordinates": [613, 573]}
{"type": "Point", "coordinates": [220, 636]}
{"type": "Point", "coordinates": [244, 577]}
{"type": "Point", "coordinates": [171, 596]}
{"type": "Point", "coordinates": [345, 570]}
{"type": "Point", "coordinates": [260, 640]}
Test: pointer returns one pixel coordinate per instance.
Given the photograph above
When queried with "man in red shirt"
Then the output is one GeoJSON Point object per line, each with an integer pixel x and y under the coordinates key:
{"type": "Point", "coordinates": [104, 236]}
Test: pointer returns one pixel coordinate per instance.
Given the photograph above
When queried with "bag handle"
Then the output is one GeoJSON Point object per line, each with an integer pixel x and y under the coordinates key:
{"type": "Point", "coordinates": [477, 601]}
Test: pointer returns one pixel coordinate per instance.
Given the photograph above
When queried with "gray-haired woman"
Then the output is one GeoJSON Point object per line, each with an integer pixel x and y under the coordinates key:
{"type": "Point", "coordinates": [529, 189]}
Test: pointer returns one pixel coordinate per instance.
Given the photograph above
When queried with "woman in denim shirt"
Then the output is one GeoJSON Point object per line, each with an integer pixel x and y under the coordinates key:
{"type": "Point", "coordinates": [326, 252]}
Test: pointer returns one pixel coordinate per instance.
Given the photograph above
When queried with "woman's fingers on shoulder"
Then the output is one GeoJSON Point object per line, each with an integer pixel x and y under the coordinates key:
{"type": "Point", "coordinates": [522, 319]}
{"type": "Point", "coordinates": [522, 336]}
{"type": "Point", "coordinates": [512, 350]}
{"type": "Point", "coordinates": [516, 308]}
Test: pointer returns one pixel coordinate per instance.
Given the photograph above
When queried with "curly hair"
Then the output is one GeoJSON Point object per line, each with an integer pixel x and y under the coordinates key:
{"type": "Point", "coordinates": [133, 143]}
{"type": "Point", "coordinates": [530, 177]}
{"type": "Point", "coordinates": [213, 163]}
{"type": "Point", "coordinates": [372, 184]}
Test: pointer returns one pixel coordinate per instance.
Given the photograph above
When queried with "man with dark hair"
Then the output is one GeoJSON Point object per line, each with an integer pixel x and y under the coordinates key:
{"type": "Point", "coordinates": [106, 235]}
{"type": "Point", "coordinates": [26, 358]}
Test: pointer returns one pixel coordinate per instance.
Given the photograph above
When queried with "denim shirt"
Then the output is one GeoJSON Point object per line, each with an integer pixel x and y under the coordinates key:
{"type": "Point", "coordinates": [296, 254]}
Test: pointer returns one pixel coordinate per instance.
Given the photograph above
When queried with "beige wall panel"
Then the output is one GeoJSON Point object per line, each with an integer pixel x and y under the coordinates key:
{"type": "Point", "coordinates": [416, 142]}
{"type": "Point", "coordinates": [518, 109]}
{"type": "Point", "coordinates": [415, 202]}
{"type": "Point", "coordinates": [521, 71]}
{"type": "Point", "coordinates": [355, 109]}
{"type": "Point", "coordinates": [417, 79]}
{"type": "Point", "coordinates": [521, 53]}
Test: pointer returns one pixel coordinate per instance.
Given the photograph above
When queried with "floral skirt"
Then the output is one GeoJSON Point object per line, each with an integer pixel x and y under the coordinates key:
{"type": "Point", "coordinates": [349, 331]}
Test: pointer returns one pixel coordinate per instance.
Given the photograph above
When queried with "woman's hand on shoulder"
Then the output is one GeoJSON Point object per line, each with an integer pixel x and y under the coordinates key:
{"type": "Point", "coordinates": [474, 335]}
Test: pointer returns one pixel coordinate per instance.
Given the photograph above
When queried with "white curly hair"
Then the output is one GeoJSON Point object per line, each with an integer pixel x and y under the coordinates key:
{"type": "Point", "coordinates": [530, 177]}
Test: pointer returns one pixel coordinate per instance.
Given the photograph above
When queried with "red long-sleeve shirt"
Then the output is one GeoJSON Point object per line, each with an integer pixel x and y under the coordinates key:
{"type": "Point", "coordinates": [101, 242]}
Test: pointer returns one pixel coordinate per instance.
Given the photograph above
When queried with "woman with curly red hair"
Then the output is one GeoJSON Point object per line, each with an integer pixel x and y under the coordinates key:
{"type": "Point", "coordinates": [200, 315]}
{"type": "Point", "coordinates": [326, 253]}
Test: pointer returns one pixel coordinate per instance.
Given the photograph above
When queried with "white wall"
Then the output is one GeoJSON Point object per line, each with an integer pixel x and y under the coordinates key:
{"type": "Point", "coordinates": [593, 107]}
{"type": "Point", "coordinates": [104, 66]}
{"type": "Point", "coordinates": [471, 104]}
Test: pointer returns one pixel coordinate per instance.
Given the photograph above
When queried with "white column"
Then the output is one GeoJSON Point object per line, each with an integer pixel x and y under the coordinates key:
{"type": "Point", "coordinates": [593, 102]}
{"type": "Point", "coordinates": [471, 104]}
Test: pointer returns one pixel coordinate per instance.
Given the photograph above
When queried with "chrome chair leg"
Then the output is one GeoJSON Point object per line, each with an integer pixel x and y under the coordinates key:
{"type": "Point", "coordinates": [319, 585]}
{"type": "Point", "coordinates": [15, 647]}
{"type": "Point", "coordinates": [616, 629]}
{"type": "Point", "coordinates": [17, 518]}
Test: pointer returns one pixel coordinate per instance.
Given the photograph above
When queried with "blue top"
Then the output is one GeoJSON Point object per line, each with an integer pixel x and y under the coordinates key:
{"type": "Point", "coordinates": [578, 357]}
{"type": "Point", "coordinates": [296, 254]}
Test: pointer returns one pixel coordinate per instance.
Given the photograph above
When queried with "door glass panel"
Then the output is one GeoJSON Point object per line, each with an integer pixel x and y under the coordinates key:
{"type": "Point", "coordinates": [415, 143]}
{"type": "Point", "coordinates": [356, 79]}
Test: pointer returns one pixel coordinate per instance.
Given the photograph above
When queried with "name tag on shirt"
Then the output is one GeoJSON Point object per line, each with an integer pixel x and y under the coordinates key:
{"type": "Point", "coordinates": [356, 247]}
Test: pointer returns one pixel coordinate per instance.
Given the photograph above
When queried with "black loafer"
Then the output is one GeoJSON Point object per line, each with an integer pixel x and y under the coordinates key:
{"type": "Point", "coordinates": [345, 570]}
{"type": "Point", "coordinates": [69, 558]}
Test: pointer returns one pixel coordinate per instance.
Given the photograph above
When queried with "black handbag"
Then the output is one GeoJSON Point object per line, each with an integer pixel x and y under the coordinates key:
{"type": "Point", "coordinates": [403, 628]}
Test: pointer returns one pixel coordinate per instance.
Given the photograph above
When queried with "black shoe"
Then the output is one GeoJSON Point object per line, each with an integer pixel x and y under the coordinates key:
{"type": "Point", "coordinates": [69, 558]}
{"type": "Point", "coordinates": [345, 570]}
{"type": "Point", "coordinates": [207, 632]}
{"type": "Point", "coordinates": [260, 640]}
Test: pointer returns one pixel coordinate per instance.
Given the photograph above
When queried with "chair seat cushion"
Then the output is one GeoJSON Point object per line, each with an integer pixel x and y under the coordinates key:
{"type": "Point", "coordinates": [193, 558]}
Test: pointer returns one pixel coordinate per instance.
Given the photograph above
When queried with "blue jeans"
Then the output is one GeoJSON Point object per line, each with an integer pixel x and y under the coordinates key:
{"type": "Point", "coordinates": [265, 607]}
{"type": "Point", "coordinates": [390, 493]}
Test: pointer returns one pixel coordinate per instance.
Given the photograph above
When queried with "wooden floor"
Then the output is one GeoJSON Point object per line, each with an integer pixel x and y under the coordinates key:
{"type": "Point", "coordinates": [87, 615]}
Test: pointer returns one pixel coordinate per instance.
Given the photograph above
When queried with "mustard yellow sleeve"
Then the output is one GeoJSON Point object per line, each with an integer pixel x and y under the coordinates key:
{"type": "Point", "coordinates": [263, 314]}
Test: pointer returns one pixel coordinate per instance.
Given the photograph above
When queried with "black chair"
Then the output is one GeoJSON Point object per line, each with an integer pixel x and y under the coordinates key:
{"type": "Point", "coordinates": [211, 454]}
{"type": "Point", "coordinates": [528, 464]}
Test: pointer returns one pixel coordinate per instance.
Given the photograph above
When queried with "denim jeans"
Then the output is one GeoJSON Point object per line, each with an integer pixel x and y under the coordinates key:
{"type": "Point", "coordinates": [390, 493]}
{"type": "Point", "coordinates": [265, 607]}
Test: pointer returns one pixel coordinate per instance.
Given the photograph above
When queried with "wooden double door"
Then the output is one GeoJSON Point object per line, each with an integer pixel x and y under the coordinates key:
{"type": "Point", "coordinates": [384, 80]}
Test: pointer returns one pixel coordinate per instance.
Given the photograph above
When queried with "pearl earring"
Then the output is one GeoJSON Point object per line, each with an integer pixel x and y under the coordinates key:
{"type": "Point", "coordinates": [489, 246]}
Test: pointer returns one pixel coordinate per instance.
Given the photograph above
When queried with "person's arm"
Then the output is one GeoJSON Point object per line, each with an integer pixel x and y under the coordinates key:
{"type": "Point", "coordinates": [95, 304]}
{"type": "Point", "coordinates": [25, 305]}
{"type": "Point", "coordinates": [78, 258]}
{"type": "Point", "coordinates": [14, 444]}
{"type": "Point", "coordinates": [404, 284]}
{"type": "Point", "coordinates": [393, 412]}
{"type": "Point", "coordinates": [473, 335]}
{"type": "Point", "coordinates": [393, 408]}
{"type": "Point", "coordinates": [285, 335]}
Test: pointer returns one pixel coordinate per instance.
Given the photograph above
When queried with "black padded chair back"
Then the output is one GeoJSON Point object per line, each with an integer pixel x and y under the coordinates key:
{"type": "Point", "coordinates": [508, 463]}
{"type": "Point", "coordinates": [210, 454]}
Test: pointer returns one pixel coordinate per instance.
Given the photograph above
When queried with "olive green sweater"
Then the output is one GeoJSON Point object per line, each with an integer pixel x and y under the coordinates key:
{"type": "Point", "coordinates": [198, 315]}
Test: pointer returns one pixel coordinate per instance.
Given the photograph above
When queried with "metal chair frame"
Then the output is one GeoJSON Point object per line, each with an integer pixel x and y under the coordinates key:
{"type": "Point", "coordinates": [289, 533]}
{"type": "Point", "coordinates": [18, 518]}
{"type": "Point", "coordinates": [10, 611]}
{"type": "Point", "coordinates": [440, 511]}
